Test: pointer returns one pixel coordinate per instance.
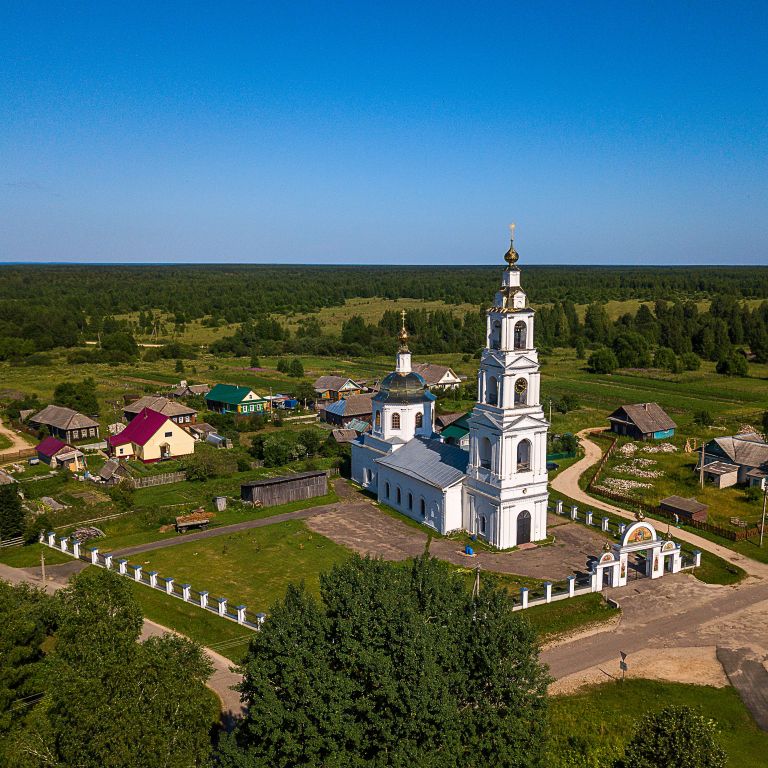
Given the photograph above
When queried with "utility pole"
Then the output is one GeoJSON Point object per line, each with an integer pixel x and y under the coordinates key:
{"type": "Point", "coordinates": [476, 585]}
{"type": "Point", "coordinates": [550, 410]}
{"type": "Point", "coordinates": [764, 483]}
{"type": "Point", "coordinates": [42, 564]}
{"type": "Point", "coordinates": [701, 465]}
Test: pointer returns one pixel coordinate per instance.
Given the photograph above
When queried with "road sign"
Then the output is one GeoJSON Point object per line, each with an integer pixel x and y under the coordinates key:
{"type": "Point", "coordinates": [623, 666]}
{"type": "Point", "coordinates": [623, 655]}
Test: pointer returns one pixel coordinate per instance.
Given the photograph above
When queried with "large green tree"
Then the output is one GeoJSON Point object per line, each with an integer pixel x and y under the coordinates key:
{"type": "Point", "coordinates": [397, 665]}
{"type": "Point", "coordinates": [677, 736]}
{"type": "Point", "coordinates": [110, 700]}
{"type": "Point", "coordinates": [11, 511]}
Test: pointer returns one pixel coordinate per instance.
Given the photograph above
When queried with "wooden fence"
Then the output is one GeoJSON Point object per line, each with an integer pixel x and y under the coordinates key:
{"type": "Point", "coordinates": [26, 453]}
{"type": "Point", "coordinates": [166, 478]}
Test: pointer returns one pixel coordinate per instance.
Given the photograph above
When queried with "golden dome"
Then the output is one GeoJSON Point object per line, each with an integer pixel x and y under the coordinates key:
{"type": "Point", "coordinates": [511, 256]}
{"type": "Point", "coordinates": [403, 335]}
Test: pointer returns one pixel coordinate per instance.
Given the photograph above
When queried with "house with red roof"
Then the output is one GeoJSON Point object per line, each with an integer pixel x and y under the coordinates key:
{"type": "Point", "coordinates": [57, 453]}
{"type": "Point", "coordinates": [151, 436]}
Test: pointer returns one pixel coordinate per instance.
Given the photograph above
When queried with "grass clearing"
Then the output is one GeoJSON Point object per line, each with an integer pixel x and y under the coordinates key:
{"type": "Point", "coordinates": [29, 556]}
{"type": "Point", "coordinates": [559, 618]}
{"type": "Point", "coordinates": [591, 727]}
{"type": "Point", "coordinates": [250, 567]}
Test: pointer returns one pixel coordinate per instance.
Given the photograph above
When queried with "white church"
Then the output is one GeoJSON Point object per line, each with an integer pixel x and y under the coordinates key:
{"type": "Point", "coordinates": [498, 488]}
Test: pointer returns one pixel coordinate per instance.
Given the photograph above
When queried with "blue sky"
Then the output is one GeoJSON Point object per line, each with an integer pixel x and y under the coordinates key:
{"type": "Point", "coordinates": [612, 133]}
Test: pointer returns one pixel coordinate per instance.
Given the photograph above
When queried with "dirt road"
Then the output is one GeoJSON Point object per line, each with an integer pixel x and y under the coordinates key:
{"type": "Point", "coordinates": [17, 442]}
{"type": "Point", "coordinates": [567, 483]}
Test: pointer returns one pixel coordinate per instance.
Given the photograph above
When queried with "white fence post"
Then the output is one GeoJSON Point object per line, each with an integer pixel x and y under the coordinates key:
{"type": "Point", "coordinates": [548, 591]}
{"type": "Point", "coordinates": [108, 562]}
{"type": "Point", "coordinates": [594, 583]}
{"type": "Point", "coordinates": [51, 539]}
{"type": "Point", "coordinates": [241, 614]}
{"type": "Point", "coordinates": [185, 592]}
{"type": "Point", "coordinates": [696, 558]}
{"type": "Point", "coordinates": [122, 566]}
{"type": "Point", "coordinates": [64, 544]}
{"type": "Point", "coordinates": [94, 556]}
{"type": "Point", "coordinates": [203, 599]}
{"type": "Point", "coordinates": [153, 579]}
{"type": "Point", "coordinates": [589, 517]}
{"type": "Point", "coordinates": [622, 528]}
{"type": "Point", "coordinates": [137, 573]}
{"type": "Point", "coordinates": [222, 606]}
{"type": "Point", "coordinates": [571, 586]}
{"type": "Point", "coordinates": [76, 549]}
{"type": "Point", "coordinates": [260, 618]}
{"type": "Point", "coordinates": [169, 585]}
{"type": "Point", "coordinates": [574, 512]}
{"type": "Point", "coordinates": [524, 597]}
{"type": "Point", "coordinates": [559, 506]}
{"type": "Point", "coordinates": [605, 523]}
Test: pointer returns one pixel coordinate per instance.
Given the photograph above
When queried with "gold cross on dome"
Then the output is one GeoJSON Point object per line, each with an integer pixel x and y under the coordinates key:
{"type": "Point", "coordinates": [402, 314]}
{"type": "Point", "coordinates": [512, 230]}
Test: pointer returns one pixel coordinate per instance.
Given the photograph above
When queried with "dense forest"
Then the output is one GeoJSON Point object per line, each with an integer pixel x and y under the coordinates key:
{"type": "Point", "coordinates": [46, 307]}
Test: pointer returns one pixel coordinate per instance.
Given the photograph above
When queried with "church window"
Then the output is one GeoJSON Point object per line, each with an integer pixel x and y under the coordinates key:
{"type": "Point", "coordinates": [524, 456]}
{"type": "Point", "coordinates": [521, 392]}
{"type": "Point", "coordinates": [399, 497]}
{"type": "Point", "coordinates": [410, 501]}
{"type": "Point", "coordinates": [492, 395]}
{"type": "Point", "coordinates": [378, 419]}
{"type": "Point", "coordinates": [521, 334]}
{"type": "Point", "coordinates": [419, 420]}
{"type": "Point", "coordinates": [484, 453]}
{"type": "Point", "coordinates": [386, 490]}
{"type": "Point", "coordinates": [423, 508]}
{"type": "Point", "coordinates": [483, 524]}
{"type": "Point", "coordinates": [496, 335]}
{"type": "Point", "coordinates": [395, 421]}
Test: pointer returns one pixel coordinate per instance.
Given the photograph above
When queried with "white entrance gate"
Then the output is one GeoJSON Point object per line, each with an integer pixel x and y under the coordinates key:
{"type": "Point", "coordinates": [661, 555]}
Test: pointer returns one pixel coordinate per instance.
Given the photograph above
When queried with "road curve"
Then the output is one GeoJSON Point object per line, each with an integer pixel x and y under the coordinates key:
{"type": "Point", "coordinates": [567, 483]}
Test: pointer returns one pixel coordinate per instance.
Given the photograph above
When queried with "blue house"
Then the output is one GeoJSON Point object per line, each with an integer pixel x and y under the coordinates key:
{"type": "Point", "coordinates": [642, 421]}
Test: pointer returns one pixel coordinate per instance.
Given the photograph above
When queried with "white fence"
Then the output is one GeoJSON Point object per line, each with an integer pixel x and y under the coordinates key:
{"type": "Point", "coordinates": [219, 606]}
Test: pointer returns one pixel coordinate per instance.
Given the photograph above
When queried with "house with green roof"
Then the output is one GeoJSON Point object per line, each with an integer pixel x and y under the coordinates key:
{"type": "Point", "coordinates": [228, 398]}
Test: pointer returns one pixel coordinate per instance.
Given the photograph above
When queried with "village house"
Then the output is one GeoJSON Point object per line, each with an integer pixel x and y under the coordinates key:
{"type": "Point", "coordinates": [735, 459]}
{"type": "Point", "coordinates": [177, 412]}
{"type": "Point", "coordinates": [342, 412]}
{"type": "Point", "coordinates": [189, 390]}
{"type": "Point", "coordinates": [228, 398]}
{"type": "Point", "coordinates": [56, 453]}
{"type": "Point", "coordinates": [151, 437]}
{"type": "Point", "coordinates": [334, 388]}
{"type": "Point", "coordinates": [112, 473]}
{"type": "Point", "coordinates": [64, 423]}
{"type": "Point", "coordinates": [437, 376]}
{"type": "Point", "coordinates": [642, 421]}
{"type": "Point", "coordinates": [457, 432]}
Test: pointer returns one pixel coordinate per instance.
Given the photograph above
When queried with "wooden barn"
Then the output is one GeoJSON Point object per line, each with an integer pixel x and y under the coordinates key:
{"type": "Point", "coordinates": [284, 489]}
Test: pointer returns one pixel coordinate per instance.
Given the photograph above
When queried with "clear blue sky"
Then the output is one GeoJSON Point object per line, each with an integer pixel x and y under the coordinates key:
{"type": "Point", "coordinates": [612, 133]}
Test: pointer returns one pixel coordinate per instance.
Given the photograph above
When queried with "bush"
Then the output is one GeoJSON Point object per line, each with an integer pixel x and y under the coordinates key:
{"type": "Point", "coordinates": [122, 495]}
{"type": "Point", "coordinates": [690, 361]}
{"type": "Point", "coordinates": [35, 526]}
{"type": "Point", "coordinates": [602, 361]}
{"type": "Point", "coordinates": [702, 418]}
{"type": "Point", "coordinates": [733, 365]}
{"type": "Point", "coordinates": [208, 462]}
{"type": "Point", "coordinates": [753, 493]}
{"type": "Point", "coordinates": [665, 359]}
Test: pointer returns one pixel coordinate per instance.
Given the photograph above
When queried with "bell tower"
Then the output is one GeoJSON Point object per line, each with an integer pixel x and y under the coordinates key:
{"type": "Point", "coordinates": [506, 485]}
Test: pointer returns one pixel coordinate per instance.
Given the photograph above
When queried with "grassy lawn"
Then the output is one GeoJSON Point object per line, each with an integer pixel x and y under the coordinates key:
{"type": "Point", "coordinates": [141, 527]}
{"type": "Point", "coordinates": [251, 567]}
{"type": "Point", "coordinates": [565, 616]}
{"type": "Point", "coordinates": [224, 637]}
{"type": "Point", "coordinates": [5, 442]}
{"type": "Point", "coordinates": [29, 556]}
{"type": "Point", "coordinates": [590, 728]}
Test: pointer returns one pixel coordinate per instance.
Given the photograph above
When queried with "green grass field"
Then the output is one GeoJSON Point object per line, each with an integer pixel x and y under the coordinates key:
{"type": "Point", "coordinates": [29, 556]}
{"type": "Point", "coordinates": [251, 567]}
{"type": "Point", "coordinates": [565, 616]}
{"type": "Point", "coordinates": [590, 728]}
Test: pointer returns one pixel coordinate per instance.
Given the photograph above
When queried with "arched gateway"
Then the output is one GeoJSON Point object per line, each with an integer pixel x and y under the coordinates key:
{"type": "Point", "coordinates": [638, 537]}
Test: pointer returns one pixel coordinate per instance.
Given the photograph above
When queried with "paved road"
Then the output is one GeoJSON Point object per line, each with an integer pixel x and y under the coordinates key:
{"type": "Point", "coordinates": [567, 482]}
{"type": "Point", "coordinates": [748, 675]}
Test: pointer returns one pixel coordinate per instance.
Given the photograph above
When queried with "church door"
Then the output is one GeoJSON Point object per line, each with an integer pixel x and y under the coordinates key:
{"type": "Point", "coordinates": [523, 528]}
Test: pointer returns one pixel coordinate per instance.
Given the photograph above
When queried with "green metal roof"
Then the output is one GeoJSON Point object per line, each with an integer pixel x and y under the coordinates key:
{"type": "Point", "coordinates": [228, 393]}
{"type": "Point", "coordinates": [454, 431]}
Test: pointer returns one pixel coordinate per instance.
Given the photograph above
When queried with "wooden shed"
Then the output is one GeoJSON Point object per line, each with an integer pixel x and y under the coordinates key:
{"type": "Point", "coordinates": [685, 509]}
{"type": "Point", "coordinates": [284, 489]}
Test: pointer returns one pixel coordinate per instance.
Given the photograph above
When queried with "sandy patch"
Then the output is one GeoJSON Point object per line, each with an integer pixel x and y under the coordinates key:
{"type": "Point", "coordinates": [698, 666]}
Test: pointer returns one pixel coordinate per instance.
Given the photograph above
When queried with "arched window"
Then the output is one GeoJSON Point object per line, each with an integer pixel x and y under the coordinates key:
{"type": "Point", "coordinates": [484, 453]}
{"type": "Point", "coordinates": [386, 489]}
{"type": "Point", "coordinates": [378, 420]}
{"type": "Point", "coordinates": [399, 499]}
{"type": "Point", "coordinates": [422, 508]}
{"type": "Point", "coordinates": [419, 420]}
{"type": "Point", "coordinates": [521, 335]}
{"type": "Point", "coordinates": [410, 501]}
{"type": "Point", "coordinates": [367, 476]}
{"type": "Point", "coordinates": [496, 334]}
{"type": "Point", "coordinates": [395, 421]}
{"type": "Point", "coordinates": [492, 393]}
{"type": "Point", "coordinates": [524, 456]}
{"type": "Point", "coordinates": [521, 392]}
{"type": "Point", "coordinates": [483, 524]}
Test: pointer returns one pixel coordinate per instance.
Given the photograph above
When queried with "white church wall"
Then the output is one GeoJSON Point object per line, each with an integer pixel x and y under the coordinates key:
{"type": "Point", "coordinates": [364, 469]}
